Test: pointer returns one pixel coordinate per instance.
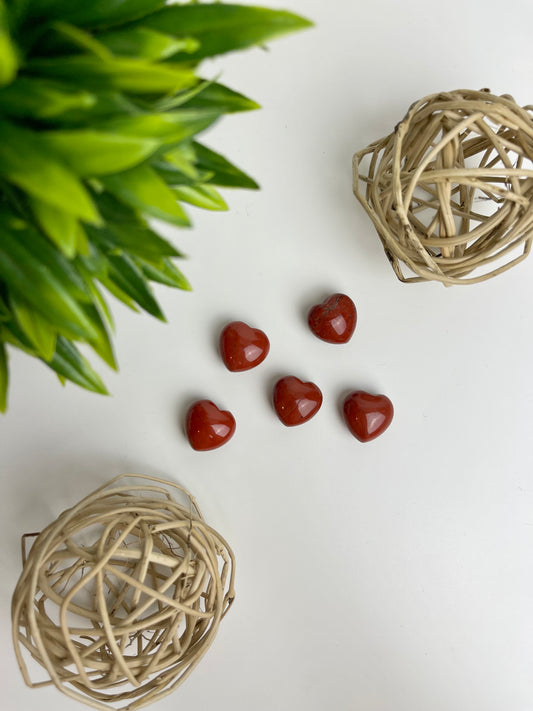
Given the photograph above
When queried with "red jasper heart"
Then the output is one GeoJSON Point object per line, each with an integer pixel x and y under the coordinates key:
{"type": "Point", "coordinates": [366, 415]}
{"type": "Point", "coordinates": [295, 401]}
{"type": "Point", "coordinates": [334, 319]}
{"type": "Point", "coordinates": [242, 347]}
{"type": "Point", "coordinates": [207, 426]}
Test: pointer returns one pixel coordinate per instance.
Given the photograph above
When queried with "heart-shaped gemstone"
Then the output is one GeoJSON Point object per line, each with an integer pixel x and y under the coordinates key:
{"type": "Point", "coordinates": [242, 347]}
{"type": "Point", "coordinates": [334, 319]}
{"type": "Point", "coordinates": [207, 426]}
{"type": "Point", "coordinates": [366, 415]}
{"type": "Point", "coordinates": [295, 401]}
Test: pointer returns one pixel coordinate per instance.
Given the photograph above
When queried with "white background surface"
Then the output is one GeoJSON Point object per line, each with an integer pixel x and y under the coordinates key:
{"type": "Point", "coordinates": [395, 575]}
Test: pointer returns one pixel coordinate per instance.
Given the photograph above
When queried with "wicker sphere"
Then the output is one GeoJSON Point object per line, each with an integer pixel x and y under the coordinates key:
{"type": "Point", "coordinates": [122, 595]}
{"type": "Point", "coordinates": [450, 190]}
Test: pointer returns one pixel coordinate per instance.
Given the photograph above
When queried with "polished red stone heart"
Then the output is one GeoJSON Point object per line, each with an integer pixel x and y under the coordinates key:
{"type": "Point", "coordinates": [207, 426]}
{"type": "Point", "coordinates": [334, 319]}
{"type": "Point", "coordinates": [366, 415]}
{"type": "Point", "coordinates": [242, 347]}
{"type": "Point", "coordinates": [296, 402]}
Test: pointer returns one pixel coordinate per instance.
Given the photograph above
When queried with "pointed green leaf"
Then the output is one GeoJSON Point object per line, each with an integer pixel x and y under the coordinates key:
{"type": "Point", "coordinates": [70, 364]}
{"type": "Point", "coordinates": [101, 345]}
{"type": "Point", "coordinates": [11, 333]}
{"type": "Point", "coordinates": [41, 99]}
{"type": "Point", "coordinates": [90, 153]}
{"type": "Point", "coordinates": [172, 176]}
{"type": "Point", "coordinates": [96, 13]}
{"type": "Point", "coordinates": [61, 268]}
{"type": "Point", "coordinates": [223, 27]}
{"type": "Point", "coordinates": [71, 35]}
{"type": "Point", "coordinates": [106, 103]}
{"type": "Point", "coordinates": [98, 300]}
{"type": "Point", "coordinates": [60, 226]}
{"type": "Point", "coordinates": [129, 278]}
{"type": "Point", "coordinates": [28, 163]}
{"type": "Point", "coordinates": [221, 98]}
{"type": "Point", "coordinates": [136, 239]}
{"type": "Point", "coordinates": [144, 190]}
{"type": "Point", "coordinates": [165, 273]}
{"type": "Point", "coordinates": [168, 128]}
{"type": "Point", "coordinates": [225, 174]}
{"type": "Point", "coordinates": [29, 276]}
{"type": "Point", "coordinates": [117, 292]}
{"type": "Point", "coordinates": [4, 377]}
{"type": "Point", "coordinates": [128, 74]}
{"type": "Point", "coordinates": [38, 329]}
{"type": "Point", "coordinates": [8, 52]}
{"type": "Point", "coordinates": [183, 157]}
{"type": "Point", "coordinates": [203, 196]}
{"type": "Point", "coordinates": [146, 44]}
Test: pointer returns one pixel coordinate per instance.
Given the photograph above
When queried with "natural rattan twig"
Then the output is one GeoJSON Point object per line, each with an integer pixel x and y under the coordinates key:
{"type": "Point", "coordinates": [450, 190]}
{"type": "Point", "coordinates": [121, 596]}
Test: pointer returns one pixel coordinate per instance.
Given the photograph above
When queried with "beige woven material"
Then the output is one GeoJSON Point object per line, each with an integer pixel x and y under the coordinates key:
{"type": "Point", "coordinates": [450, 190]}
{"type": "Point", "coordinates": [121, 596]}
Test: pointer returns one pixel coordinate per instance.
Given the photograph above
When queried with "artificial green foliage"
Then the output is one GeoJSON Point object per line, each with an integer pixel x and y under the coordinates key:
{"type": "Point", "coordinates": [101, 104]}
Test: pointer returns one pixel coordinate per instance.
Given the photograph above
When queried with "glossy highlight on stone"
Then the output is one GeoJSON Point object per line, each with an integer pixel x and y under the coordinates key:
{"type": "Point", "coordinates": [334, 319]}
{"type": "Point", "coordinates": [207, 426]}
{"type": "Point", "coordinates": [367, 415]}
{"type": "Point", "coordinates": [296, 402]}
{"type": "Point", "coordinates": [242, 347]}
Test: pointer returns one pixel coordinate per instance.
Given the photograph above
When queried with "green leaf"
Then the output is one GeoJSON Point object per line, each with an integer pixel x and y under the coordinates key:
{"type": "Point", "coordinates": [130, 279]}
{"type": "Point", "coordinates": [68, 362]}
{"type": "Point", "coordinates": [139, 240]}
{"type": "Point", "coordinates": [146, 44]}
{"type": "Point", "coordinates": [224, 28]}
{"type": "Point", "coordinates": [79, 38]}
{"type": "Point", "coordinates": [222, 98]}
{"type": "Point", "coordinates": [203, 196]}
{"type": "Point", "coordinates": [96, 13]}
{"type": "Point", "coordinates": [168, 128]}
{"type": "Point", "coordinates": [166, 273]}
{"type": "Point", "coordinates": [90, 153]}
{"type": "Point", "coordinates": [38, 329]}
{"type": "Point", "coordinates": [31, 276]}
{"type": "Point", "coordinates": [117, 292]}
{"type": "Point", "coordinates": [28, 163]}
{"type": "Point", "coordinates": [98, 300]}
{"type": "Point", "coordinates": [101, 345]}
{"type": "Point", "coordinates": [128, 74]}
{"type": "Point", "coordinates": [144, 190]}
{"type": "Point", "coordinates": [11, 333]}
{"type": "Point", "coordinates": [61, 268]}
{"type": "Point", "coordinates": [183, 158]}
{"type": "Point", "coordinates": [4, 377]}
{"type": "Point", "coordinates": [225, 174]}
{"type": "Point", "coordinates": [60, 226]}
{"type": "Point", "coordinates": [106, 104]}
{"type": "Point", "coordinates": [8, 52]}
{"type": "Point", "coordinates": [41, 99]}
{"type": "Point", "coordinates": [172, 176]}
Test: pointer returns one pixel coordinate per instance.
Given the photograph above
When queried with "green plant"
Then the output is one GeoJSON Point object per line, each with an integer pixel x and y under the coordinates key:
{"type": "Point", "coordinates": [100, 106]}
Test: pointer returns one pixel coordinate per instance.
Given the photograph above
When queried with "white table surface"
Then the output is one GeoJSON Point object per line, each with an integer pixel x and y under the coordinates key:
{"type": "Point", "coordinates": [391, 576]}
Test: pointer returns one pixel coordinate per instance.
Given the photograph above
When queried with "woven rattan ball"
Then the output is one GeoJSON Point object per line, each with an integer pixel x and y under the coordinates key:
{"type": "Point", "coordinates": [450, 190]}
{"type": "Point", "coordinates": [122, 595]}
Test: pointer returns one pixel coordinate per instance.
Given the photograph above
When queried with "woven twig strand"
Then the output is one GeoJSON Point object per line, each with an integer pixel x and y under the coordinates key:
{"type": "Point", "coordinates": [450, 190]}
{"type": "Point", "coordinates": [122, 595]}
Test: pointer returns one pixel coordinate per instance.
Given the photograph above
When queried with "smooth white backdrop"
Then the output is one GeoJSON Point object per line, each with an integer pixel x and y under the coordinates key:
{"type": "Point", "coordinates": [395, 575]}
